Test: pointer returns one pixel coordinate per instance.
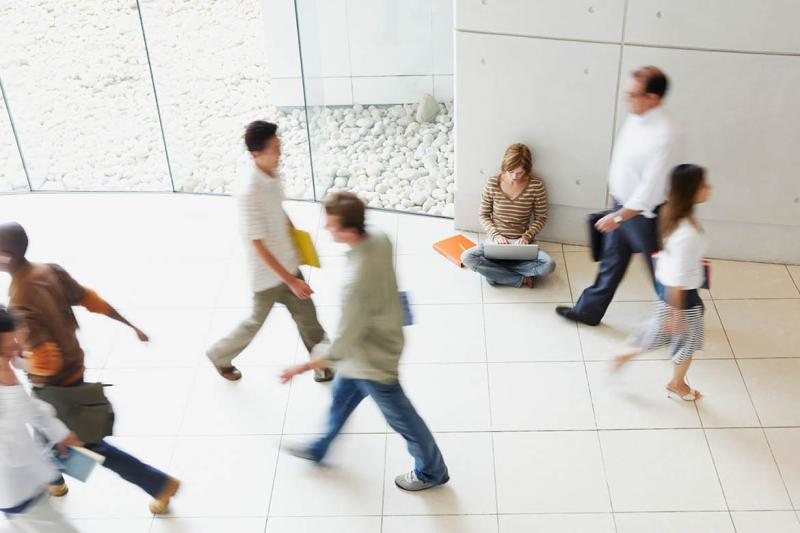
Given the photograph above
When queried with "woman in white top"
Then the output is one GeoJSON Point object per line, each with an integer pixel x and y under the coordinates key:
{"type": "Point", "coordinates": [678, 319]}
{"type": "Point", "coordinates": [25, 470]}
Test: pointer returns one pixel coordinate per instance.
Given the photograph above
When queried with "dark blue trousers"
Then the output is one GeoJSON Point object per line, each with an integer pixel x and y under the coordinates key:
{"type": "Point", "coordinates": [149, 479]}
{"type": "Point", "coordinates": [639, 235]}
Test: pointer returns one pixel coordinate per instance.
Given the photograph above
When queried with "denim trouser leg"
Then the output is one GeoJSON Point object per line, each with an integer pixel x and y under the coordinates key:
{"type": "Point", "coordinates": [131, 469]}
{"type": "Point", "coordinates": [636, 235]}
{"type": "Point", "coordinates": [403, 418]}
{"type": "Point", "coordinates": [509, 273]}
{"type": "Point", "coordinates": [541, 266]}
{"type": "Point", "coordinates": [346, 397]}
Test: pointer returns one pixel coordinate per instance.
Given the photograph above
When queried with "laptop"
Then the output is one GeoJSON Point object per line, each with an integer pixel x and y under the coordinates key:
{"type": "Point", "coordinates": [511, 252]}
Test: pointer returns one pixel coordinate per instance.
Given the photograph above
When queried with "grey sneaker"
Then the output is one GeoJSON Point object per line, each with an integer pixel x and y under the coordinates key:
{"type": "Point", "coordinates": [410, 482]}
{"type": "Point", "coordinates": [322, 375]}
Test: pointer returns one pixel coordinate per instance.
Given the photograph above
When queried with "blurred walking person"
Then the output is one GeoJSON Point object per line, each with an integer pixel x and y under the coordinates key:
{"type": "Point", "coordinates": [645, 151]}
{"type": "Point", "coordinates": [367, 348]}
{"type": "Point", "coordinates": [42, 296]}
{"type": "Point", "coordinates": [271, 257]}
{"type": "Point", "coordinates": [25, 472]}
{"type": "Point", "coordinates": [678, 318]}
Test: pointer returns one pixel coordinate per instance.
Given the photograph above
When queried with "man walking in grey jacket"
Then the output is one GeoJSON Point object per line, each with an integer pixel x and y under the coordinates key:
{"type": "Point", "coordinates": [366, 351]}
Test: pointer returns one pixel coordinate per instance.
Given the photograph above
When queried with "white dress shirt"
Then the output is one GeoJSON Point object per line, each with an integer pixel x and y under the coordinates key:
{"type": "Point", "coordinates": [24, 468]}
{"type": "Point", "coordinates": [680, 263]}
{"type": "Point", "coordinates": [646, 151]}
{"type": "Point", "coordinates": [260, 201]}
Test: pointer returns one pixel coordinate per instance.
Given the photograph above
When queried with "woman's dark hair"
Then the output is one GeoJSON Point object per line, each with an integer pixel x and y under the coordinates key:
{"type": "Point", "coordinates": [258, 133]}
{"type": "Point", "coordinates": [684, 182]}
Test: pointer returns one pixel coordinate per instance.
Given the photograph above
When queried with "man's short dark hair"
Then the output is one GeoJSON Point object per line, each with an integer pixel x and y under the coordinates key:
{"type": "Point", "coordinates": [258, 133]}
{"type": "Point", "coordinates": [6, 320]}
{"type": "Point", "coordinates": [654, 80]}
{"type": "Point", "coordinates": [349, 208]}
{"type": "Point", "coordinates": [13, 240]}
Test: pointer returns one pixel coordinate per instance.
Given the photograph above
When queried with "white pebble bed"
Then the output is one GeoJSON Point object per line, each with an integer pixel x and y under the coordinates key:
{"type": "Point", "coordinates": [391, 156]}
{"type": "Point", "coordinates": [83, 104]}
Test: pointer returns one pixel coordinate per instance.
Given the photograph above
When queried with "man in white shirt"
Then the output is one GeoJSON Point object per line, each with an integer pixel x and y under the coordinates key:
{"type": "Point", "coordinates": [645, 152]}
{"type": "Point", "coordinates": [24, 469]}
{"type": "Point", "coordinates": [271, 256]}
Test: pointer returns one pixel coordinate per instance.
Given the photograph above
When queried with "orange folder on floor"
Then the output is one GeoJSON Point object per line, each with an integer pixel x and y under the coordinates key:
{"type": "Point", "coordinates": [453, 247]}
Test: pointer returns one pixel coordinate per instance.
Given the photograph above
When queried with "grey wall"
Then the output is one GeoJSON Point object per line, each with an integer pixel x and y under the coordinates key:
{"type": "Point", "coordinates": [548, 73]}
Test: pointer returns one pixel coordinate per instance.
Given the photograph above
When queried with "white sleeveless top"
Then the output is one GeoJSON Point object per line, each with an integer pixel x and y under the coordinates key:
{"type": "Point", "coordinates": [680, 263]}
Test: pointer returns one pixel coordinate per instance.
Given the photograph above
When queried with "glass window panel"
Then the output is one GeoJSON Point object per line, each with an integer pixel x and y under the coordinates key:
{"type": "Point", "coordinates": [80, 91]}
{"type": "Point", "coordinates": [211, 71]}
{"type": "Point", "coordinates": [368, 68]}
{"type": "Point", "coordinates": [12, 174]}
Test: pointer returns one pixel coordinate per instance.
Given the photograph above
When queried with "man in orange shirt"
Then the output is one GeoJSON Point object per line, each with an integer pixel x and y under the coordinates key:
{"type": "Point", "coordinates": [41, 296]}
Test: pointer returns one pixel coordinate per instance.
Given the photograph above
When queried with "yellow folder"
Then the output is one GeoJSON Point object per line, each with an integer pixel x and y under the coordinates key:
{"type": "Point", "coordinates": [305, 248]}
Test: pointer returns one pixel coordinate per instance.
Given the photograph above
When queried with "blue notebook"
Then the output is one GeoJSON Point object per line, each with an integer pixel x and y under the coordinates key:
{"type": "Point", "coordinates": [79, 462]}
{"type": "Point", "coordinates": [408, 318]}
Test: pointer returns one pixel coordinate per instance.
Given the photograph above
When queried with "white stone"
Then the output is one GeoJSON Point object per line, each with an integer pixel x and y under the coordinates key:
{"type": "Point", "coordinates": [374, 169]}
{"type": "Point", "coordinates": [412, 128]}
{"type": "Point", "coordinates": [366, 122]}
{"type": "Point", "coordinates": [449, 210]}
{"type": "Point", "coordinates": [440, 141]}
{"type": "Point", "coordinates": [427, 109]}
{"type": "Point", "coordinates": [407, 174]}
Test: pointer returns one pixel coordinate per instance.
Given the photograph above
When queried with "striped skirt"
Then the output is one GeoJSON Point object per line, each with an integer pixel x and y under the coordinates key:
{"type": "Point", "coordinates": [682, 344]}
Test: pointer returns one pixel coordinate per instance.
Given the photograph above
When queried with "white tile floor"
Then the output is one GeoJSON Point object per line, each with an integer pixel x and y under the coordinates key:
{"type": "Point", "coordinates": [539, 436]}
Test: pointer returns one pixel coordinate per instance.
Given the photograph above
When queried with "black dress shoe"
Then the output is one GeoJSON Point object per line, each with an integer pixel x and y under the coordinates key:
{"type": "Point", "coordinates": [570, 314]}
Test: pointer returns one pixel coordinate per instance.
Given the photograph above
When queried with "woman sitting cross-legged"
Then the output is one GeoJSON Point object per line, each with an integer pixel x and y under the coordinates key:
{"type": "Point", "coordinates": [513, 211]}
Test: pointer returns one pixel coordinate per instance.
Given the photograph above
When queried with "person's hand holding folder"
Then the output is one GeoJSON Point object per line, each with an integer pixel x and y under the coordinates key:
{"type": "Point", "coordinates": [70, 440]}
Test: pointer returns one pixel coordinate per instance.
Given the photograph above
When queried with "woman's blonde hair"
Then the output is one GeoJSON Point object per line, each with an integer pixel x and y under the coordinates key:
{"type": "Point", "coordinates": [517, 156]}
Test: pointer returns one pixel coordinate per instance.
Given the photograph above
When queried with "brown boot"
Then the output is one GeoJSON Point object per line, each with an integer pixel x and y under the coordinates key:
{"type": "Point", "coordinates": [160, 504]}
{"type": "Point", "coordinates": [58, 491]}
{"type": "Point", "coordinates": [231, 373]}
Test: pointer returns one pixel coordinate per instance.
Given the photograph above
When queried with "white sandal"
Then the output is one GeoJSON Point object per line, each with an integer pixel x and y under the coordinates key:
{"type": "Point", "coordinates": [690, 396]}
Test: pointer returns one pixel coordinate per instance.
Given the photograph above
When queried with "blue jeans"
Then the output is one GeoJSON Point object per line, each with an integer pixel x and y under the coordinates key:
{"type": "Point", "coordinates": [149, 479]}
{"type": "Point", "coordinates": [506, 272]}
{"type": "Point", "coordinates": [401, 416]}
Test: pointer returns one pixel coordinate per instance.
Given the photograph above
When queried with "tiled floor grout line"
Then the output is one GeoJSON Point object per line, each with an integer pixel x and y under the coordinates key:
{"type": "Point", "coordinates": [755, 410]}
{"type": "Point", "coordinates": [465, 363]}
{"type": "Point", "coordinates": [177, 437]}
{"type": "Point", "coordinates": [383, 477]}
{"type": "Point", "coordinates": [714, 464]}
{"type": "Point", "coordinates": [280, 446]}
{"type": "Point", "coordinates": [491, 419]}
{"type": "Point", "coordinates": [591, 401]}
{"type": "Point", "coordinates": [796, 283]}
{"type": "Point", "coordinates": [452, 432]}
{"type": "Point", "coordinates": [527, 513]}
{"type": "Point", "coordinates": [395, 240]}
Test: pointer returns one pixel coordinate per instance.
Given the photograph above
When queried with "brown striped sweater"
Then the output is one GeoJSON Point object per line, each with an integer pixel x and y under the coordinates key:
{"type": "Point", "coordinates": [512, 219]}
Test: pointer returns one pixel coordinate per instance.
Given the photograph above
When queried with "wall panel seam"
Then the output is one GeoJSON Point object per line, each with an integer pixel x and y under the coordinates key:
{"type": "Point", "coordinates": [632, 43]}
